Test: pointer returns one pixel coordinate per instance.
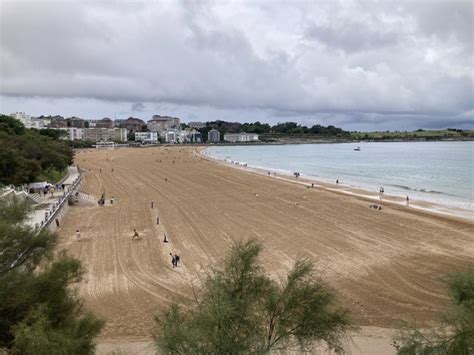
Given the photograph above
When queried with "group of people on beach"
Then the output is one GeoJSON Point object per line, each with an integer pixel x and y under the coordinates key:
{"type": "Point", "coordinates": [174, 258]}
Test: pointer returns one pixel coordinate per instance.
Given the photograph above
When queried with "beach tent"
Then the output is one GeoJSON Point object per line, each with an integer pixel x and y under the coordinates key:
{"type": "Point", "coordinates": [39, 185]}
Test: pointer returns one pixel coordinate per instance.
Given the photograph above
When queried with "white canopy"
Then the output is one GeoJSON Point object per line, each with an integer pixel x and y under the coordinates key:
{"type": "Point", "coordinates": [39, 185]}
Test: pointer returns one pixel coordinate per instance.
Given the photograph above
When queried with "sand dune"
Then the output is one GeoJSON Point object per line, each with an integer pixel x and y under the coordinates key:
{"type": "Point", "coordinates": [386, 265]}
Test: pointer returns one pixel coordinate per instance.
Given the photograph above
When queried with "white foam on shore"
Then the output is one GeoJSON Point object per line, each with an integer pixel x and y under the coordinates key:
{"type": "Point", "coordinates": [418, 204]}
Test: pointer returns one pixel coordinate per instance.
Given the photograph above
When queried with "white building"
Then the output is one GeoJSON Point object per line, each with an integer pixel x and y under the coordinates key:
{"type": "Point", "coordinates": [171, 135]}
{"type": "Point", "coordinates": [214, 136]}
{"type": "Point", "coordinates": [96, 134]}
{"type": "Point", "coordinates": [74, 133]}
{"type": "Point", "coordinates": [40, 123]}
{"type": "Point", "coordinates": [190, 136]}
{"type": "Point", "coordinates": [146, 137]}
{"type": "Point", "coordinates": [240, 137]}
{"type": "Point", "coordinates": [23, 118]}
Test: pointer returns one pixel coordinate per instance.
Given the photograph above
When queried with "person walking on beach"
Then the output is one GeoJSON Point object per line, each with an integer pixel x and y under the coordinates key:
{"type": "Point", "coordinates": [135, 235]}
{"type": "Point", "coordinates": [165, 239]}
{"type": "Point", "coordinates": [337, 182]}
{"type": "Point", "coordinates": [173, 260]}
{"type": "Point", "coordinates": [157, 219]}
{"type": "Point", "coordinates": [151, 204]}
{"type": "Point", "coordinates": [112, 200]}
{"type": "Point", "coordinates": [57, 222]}
{"type": "Point", "coordinates": [78, 235]}
{"type": "Point", "coordinates": [176, 260]}
{"type": "Point", "coordinates": [408, 201]}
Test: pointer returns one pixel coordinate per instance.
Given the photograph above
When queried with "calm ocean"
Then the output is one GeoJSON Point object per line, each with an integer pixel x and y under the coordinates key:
{"type": "Point", "coordinates": [439, 172]}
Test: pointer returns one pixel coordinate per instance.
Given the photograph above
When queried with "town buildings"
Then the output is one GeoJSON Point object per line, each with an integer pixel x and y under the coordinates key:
{"type": "Point", "coordinates": [56, 121]}
{"type": "Point", "coordinates": [132, 124]}
{"type": "Point", "coordinates": [105, 134]}
{"type": "Point", "coordinates": [96, 134]}
{"type": "Point", "coordinates": [76, 122]}
{"type": "Point", "coordinates": [40, 122]}
{"type": "Point", "coordinates": [32, 122]}
{"type": "Point", "coordinates": [160, 128]}
{"type": "Point", "coordinates": [181, 136]}
{"type": "Point", "coordinates": [213, 136]}
{"type": "Point", "coordinates": [146, 137]}
{"type": "Point", "coordinates": [73, 133]}
{"type": "Point", "coordinates": [190, 136]}
{"type": "Point", "coordinates": [162, 123]}
{"type": "Point", "coordinates": [24, 118]}
{"type": "Point", "coordinates": [240, 137]}
{"type": "Point", "coordinates": [103, 123]}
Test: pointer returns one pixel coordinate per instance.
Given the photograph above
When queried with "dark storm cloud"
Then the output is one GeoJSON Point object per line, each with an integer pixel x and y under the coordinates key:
{"type": "Point", "coordinates": [354, 63]}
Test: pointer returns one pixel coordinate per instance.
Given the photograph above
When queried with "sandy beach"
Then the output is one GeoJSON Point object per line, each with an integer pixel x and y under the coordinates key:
{"type": "Point", "coordinates": [387, 265]}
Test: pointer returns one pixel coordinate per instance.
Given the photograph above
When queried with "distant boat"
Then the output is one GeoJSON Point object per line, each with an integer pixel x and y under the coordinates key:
{"type": "Point", "coordinates": [357, 149]}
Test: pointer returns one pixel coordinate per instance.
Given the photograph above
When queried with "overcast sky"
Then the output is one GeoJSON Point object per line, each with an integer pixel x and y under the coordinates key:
{"type": "Point", "coordinates": [357, 65]}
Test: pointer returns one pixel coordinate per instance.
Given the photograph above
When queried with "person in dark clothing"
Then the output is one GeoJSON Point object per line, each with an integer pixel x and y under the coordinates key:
{"type": "Point", "coordinates": [165, 239]}
{"type": "Point", "coordinates": [157, 219]}
{"type": "Point", "coordinates": [57, 222]}
{"type": "Point", "coordinates": [135, 235]}
{"type": "Point", "coordinates": [176, 260]}
{"type": "Point", "coordinates": [173, 260]}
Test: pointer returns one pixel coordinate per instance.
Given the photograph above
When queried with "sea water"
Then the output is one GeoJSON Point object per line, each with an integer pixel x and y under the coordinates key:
{"type": "Point", "coordinates": [438, 172]}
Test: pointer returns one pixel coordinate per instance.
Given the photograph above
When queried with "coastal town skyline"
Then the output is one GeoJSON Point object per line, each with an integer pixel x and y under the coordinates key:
{"type": "Point", "coordinates": [359, 65]}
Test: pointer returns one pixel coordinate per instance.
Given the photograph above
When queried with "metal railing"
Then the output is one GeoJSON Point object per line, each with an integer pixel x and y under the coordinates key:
{"type": "Point", "coordinates": [56, 208]}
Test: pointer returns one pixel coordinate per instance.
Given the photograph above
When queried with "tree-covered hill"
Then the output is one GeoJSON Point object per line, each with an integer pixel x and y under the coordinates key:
{"type": "Point", "coordinates": [27, 155]}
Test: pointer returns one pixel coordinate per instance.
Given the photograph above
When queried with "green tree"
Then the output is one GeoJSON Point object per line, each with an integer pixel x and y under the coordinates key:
{"type": "Point", "coordinates": [241, 310]}
{"type": "Point", "coordinates": [29, 154]}
{"type": "Point", "coordinates": [39, 312]}
{"type": "Point", "coordinates": [55, 134]}
{"type": "Point", "coordinates": [11, 125]}
{"type": "Point", "coordinates": [455, 336]}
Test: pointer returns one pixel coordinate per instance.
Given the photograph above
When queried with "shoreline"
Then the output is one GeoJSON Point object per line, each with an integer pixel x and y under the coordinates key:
{"type": "Point", "coordinates": [349, 190]}
{"type": "Point", "coordinates": [287, 141]}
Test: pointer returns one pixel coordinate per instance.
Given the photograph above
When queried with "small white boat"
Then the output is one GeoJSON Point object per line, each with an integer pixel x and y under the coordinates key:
{"type": "Point", "coordinates": [357, 149]}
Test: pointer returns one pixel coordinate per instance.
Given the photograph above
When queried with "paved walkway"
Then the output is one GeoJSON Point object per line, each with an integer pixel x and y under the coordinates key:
{"type": "Point", "coordinates": [53, 201]}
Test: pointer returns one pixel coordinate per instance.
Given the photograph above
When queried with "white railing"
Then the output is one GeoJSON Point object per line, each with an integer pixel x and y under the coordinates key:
{"type": "Point", "coordinates": [51, 214]}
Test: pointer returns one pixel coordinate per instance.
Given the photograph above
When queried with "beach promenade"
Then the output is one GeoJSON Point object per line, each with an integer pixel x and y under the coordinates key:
{"type": "Point", "coordinates": [386, 265]}
{"type": "Point", "coordinates": [51, 206]}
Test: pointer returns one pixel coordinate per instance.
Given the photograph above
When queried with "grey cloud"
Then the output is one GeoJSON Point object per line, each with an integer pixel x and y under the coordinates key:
{"type": "Point", "coordinates": [343, 61]}
{"type": "Point", "coordinates": [445, 19]}
{"type": "Point", "coordinates": [352, 37]}
{"type": "Point", "coordinates": [138, 107]}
